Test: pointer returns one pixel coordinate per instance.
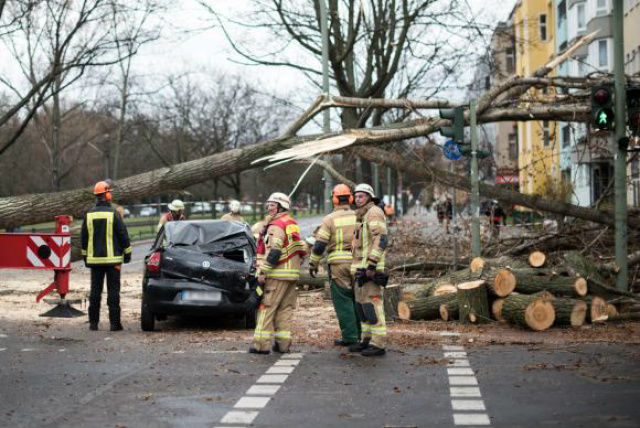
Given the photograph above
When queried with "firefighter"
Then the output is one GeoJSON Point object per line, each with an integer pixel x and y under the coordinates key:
{"type": "Point", "coordinates": [176, 212]}
{"type": "Point", "coordinates": [335, 235]}
{"type": "Point", "coordinates": [277, 274]}
{"type": "Point", "coordinates": [105, 245]}
{"type": "Point", "coordinates": [369, 245]}
{"type": "Point", "coordinates": [234, 212]}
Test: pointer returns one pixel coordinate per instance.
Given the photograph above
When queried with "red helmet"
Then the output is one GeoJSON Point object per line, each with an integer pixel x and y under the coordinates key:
{"type": "Point", "coordinates": [341, 190]}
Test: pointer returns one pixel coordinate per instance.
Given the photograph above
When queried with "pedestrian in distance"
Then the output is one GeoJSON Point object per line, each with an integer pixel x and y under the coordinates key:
{"type": "Point", "coordinates": [280, 251]}
{"type": "Point", "coordinates": [176, 213]}
{"type": "Point", "coordinates": [335, 237]}
{"type": "Point", "coordinates": [234, 212]}
{"type": "Point", "coordinates": [368, 268]}
{"type": "Point", "coordinates": [105, 246]}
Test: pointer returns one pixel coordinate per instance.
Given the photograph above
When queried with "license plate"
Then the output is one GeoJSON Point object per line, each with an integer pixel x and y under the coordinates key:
{"type": "Point", "coordinates": [208, 296]}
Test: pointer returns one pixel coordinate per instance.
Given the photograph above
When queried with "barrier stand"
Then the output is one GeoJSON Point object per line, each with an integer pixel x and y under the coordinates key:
{"type": "Point", "coordinates": [44, 251]}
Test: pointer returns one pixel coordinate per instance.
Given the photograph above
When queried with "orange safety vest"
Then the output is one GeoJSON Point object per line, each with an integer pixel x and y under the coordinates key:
{"type": "Point", "coordinates": [292, 245]}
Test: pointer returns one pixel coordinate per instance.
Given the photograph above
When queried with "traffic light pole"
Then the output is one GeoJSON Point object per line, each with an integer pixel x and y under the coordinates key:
{"type": "Point", "coordinates": [622, 282]}
{"type": "Point", "coordinates": [475, 188]}
{"type": "Point", "coordinates": [326, 122]}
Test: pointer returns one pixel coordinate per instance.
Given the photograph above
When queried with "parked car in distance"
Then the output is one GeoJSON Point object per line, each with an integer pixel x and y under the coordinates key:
{"type": "Point", "coordinates": [201, 207]}
{"type": "Point", "coordinates": [148, 211]}
{"type": "Point", "coordinates": [200, 268]}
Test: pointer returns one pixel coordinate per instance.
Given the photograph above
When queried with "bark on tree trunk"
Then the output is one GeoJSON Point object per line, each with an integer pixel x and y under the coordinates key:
{"type": "Point", "coordinates": [473, 302]}
{"type": "Point", "coordinates": [569, 312]}
{"type": "Point", "coordinates": [534, 311]}
{"type": "Point", "coordinates": [424, 309]}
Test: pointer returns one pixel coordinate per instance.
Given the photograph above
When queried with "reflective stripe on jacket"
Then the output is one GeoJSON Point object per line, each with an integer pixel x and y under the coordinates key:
{"type": "Point", "coordinates": [336, 231]}
{"type": "Point", "coordinates": [372, 225]}
{"type": "Point", "coordinates": [104, 236]}
{"type": "Point", "coordinates": [283, 233]}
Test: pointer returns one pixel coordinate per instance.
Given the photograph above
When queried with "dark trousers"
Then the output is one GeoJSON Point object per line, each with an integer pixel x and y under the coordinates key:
{"type": "Point", "coordinates": [113, 293]}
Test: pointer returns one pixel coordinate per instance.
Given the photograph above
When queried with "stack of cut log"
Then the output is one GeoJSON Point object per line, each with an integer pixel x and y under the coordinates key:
{"type": "Point", "coordinates": [526, 294]}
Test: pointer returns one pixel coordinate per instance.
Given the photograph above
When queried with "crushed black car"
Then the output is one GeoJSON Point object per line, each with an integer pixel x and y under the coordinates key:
{"type": "Point", "coordinates": [199, 268]}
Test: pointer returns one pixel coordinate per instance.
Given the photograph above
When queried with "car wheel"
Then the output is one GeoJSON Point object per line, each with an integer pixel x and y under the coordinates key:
{"type": "Point", "coordinates": [147, 320]}
{"type": "Point", "coordinates": [250, 320]}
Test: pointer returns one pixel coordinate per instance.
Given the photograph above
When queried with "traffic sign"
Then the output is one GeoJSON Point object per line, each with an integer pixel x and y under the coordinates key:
{"type": "Point", "coordinates": [451, 150]}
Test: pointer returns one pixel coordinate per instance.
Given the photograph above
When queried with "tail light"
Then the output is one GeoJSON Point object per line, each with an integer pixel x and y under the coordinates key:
{"type": "Point", "coordinates": [153, 263]}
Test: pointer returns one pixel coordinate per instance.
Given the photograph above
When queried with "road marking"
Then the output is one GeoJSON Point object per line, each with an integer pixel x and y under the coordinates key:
{"type": "Point", "coordinates": [252, 402]}
{"type": "Point", "coordinates": [259, 395]}
{"type": "Point", "coordinates": [263, 389]}
{"type": "Point", "coordinates": [28, 350]}
{"type": "Point", "coordinates": [460, 372]}
{"type": "Point", "coordinates": [239, 417]}
{"type": "Point", "coordinates": [2, 335]}
{"type": "Point", "coordinates": [272, 379]}
{"type": "Point", "coordinates": [225, 352]}
{"type": "Point", "coordinates": [3, 349]}
{"type": "Point", "coordinates": [471, 419]}
{"type": "Point", "coordinates": [463, 380]}
{"type": "Point", "coordinates": [467, 405]}
{"type": "Point", "coordinates": [463, 391]}
{"type": "Point", "coordinates": [452, 348]}
{"type": "Point", "coordinates": [449, 333]}
{"type": "Point", "coordinates": [459, 363]}
{"type": "Point", "coordinates": [455, 355]}
{"type": "Point", "coordinates": [280, 370]}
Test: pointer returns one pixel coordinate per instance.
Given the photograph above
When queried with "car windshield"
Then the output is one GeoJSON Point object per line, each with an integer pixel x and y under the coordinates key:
{"type": "Point", "coordinates": [208, 236]}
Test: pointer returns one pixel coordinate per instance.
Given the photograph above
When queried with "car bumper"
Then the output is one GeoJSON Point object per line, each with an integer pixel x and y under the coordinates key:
{"type": "Point", "coordinates": [165, 296]}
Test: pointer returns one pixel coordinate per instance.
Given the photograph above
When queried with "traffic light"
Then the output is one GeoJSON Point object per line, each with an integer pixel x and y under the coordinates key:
{"type": "Point", "coordinates": [602, 107]}
{"type": "Point", "coordinates": [456, 116]}
{"type": "Point", "coordinates": [633, 110]}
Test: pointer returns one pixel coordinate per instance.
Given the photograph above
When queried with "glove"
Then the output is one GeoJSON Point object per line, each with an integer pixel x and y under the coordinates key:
{"type": "Point", "coordinates": [313, 271]}
{"type": "Point", "coordinates": [360, 277]}
{"type": "Point", "coordinates": [254, 299]}
{"type": "Point", "coordinates": [261, 279]}
{"type": "Point", "coordinates": [127, 258]}
{"type": "Point", "coordinates": [371, 272]}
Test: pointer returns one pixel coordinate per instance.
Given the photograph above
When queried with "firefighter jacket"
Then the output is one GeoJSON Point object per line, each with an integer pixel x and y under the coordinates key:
{"type": "Point", "coordinates": [281, 248]}
{"type": "Point", "coordinates": [105, 240]}
{"type": "Point", "coordinates": [335, 235]}
{"type": "Point", "coordinates": [233, 217]}
{"type": "Point", "coordinates": [167, 217]}
{"type": "Point", "coordinates": [370, 238]}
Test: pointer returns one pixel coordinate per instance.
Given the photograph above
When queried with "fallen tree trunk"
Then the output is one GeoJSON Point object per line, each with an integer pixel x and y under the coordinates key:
{"type": "Point", "coordinates": [534, 311]}
{"type": "Point", "coordinates": [424, 309]}
{"type": "Point", "coordinates": [569, 312]}
{"type": "Point", "coordinates": [597, 285]}
{"type": "Point", "coordinates": [558, 285]}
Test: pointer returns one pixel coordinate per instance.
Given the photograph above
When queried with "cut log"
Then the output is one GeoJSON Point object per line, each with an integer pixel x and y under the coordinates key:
{"type": "Point", "coordinates": [473, 301]}
{"type": "Point", "coordinates": [450, 311]}
{"type": "Point", "coordinates": [557, 285]}
{"type": "Point", "coordinates": [631, 316]}
{"type": "Point", "coordinates": [503, 283]}
{"type": "Point", "coordinates": [597, 284]}
{"type": "Point", "coordinates": [533, 311]}
{"type": "Point", "coordinates": [442, 289]}
{"type": "Point", "coordinates": [414, 291]}
{"type": "Point", "coordinates": [496, 310]}
{"type": "Point", "coordinates": [596, 309]}
{"type": "Point", "coordinates": [392, 296]}
{"type": "Point", "coordinates": [424, 309]}
{"type": "Point", "coordinates": [476, 264]}
{"type": "Point", "coordinates": [569, 312]}
{"type": "Point", "coordinates": [537, 259]}
{"type": "Point", "coordinates": [612, 311]}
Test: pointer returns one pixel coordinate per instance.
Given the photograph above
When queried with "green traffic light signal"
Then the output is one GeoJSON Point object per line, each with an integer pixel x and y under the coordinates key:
{"type": "Point", "coordinates": [602, 107]}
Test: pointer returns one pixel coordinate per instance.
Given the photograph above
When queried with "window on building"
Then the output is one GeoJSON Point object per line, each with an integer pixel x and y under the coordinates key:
{"type": "Point", "coordinates": [566, 136]}
{"type": "Point", "coordinates": [510, 61]}
{"type": "Point", "coordinates": [513, 147]}
{"type": "Point", "coordinates": [602, 53]}
{"type": "Point", "coordinates": [601, 7]}
{"type": "Point", "coordinates": [545, 133]}
{"type": "Point", "coordinates": [581, 18]}
{"type": "Point", "coordinates": [543, 27]}
{"type": "Point", "coordinates": [487, 83]}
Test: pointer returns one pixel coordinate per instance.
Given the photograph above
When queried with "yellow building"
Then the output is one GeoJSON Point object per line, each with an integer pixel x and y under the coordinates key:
{"type": "Point", "coordinates": [538, 151]}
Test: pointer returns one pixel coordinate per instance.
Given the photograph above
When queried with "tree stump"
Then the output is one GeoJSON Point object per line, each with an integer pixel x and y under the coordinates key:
{"type": "Point", "coordinates": [534, 311]}
{"type": "Point", "coordinates": [450, 311]}
{"type": "Point", "coordinates": [473, 302]}
{"type": "Point", "coordinates": [537, 259]}
{"type": "Point", "coordinates": [427, 308]}
{"type": "Point", "coordinates": [569, 312]}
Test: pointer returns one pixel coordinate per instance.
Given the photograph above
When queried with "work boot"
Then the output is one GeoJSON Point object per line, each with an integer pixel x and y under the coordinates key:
{"type": "Point", "coordinates": [93, 326]}
{"type": "Point", "coordinates": [373, 351]}
{"type": "Point", "coordinates": [116, 326]}
{"type": "Point", "coordinates": [359, 347]}
{"type": "Point", "coordinates": [342, 342]}
{"type": "Point", "coordinates": [253, 350]}
{"type": "Point", "coordinates": [276, 348]}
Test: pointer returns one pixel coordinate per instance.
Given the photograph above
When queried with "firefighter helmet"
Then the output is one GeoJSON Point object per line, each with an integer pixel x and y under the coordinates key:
{"type": "Point", "coordinates": [176, 205]}
{"type": "Point", "coordinates": [281, 199]}
{"type": "Point", "coordinates": [365, 188]}
{"type": "Point", "coordinates": [103, 188]}
{"type": "Point", "coordinates": [341, 190]}
{"type": "Point", "coordinates": [234, 206]}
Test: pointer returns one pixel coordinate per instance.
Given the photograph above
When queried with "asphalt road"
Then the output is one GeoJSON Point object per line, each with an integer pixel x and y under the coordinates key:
{"type": "Point", "coordinates": [187, 379]}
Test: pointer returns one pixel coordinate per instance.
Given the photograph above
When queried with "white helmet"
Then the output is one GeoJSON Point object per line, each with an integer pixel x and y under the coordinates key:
{"type": "Point", "coordinates": [281, 199]}
{"type": "Point", "coordinates": [365, 188]}
{"type": "Point", "coordinates": [234, 206]}
{"type": "Point", "coordinates": [176, 205]}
